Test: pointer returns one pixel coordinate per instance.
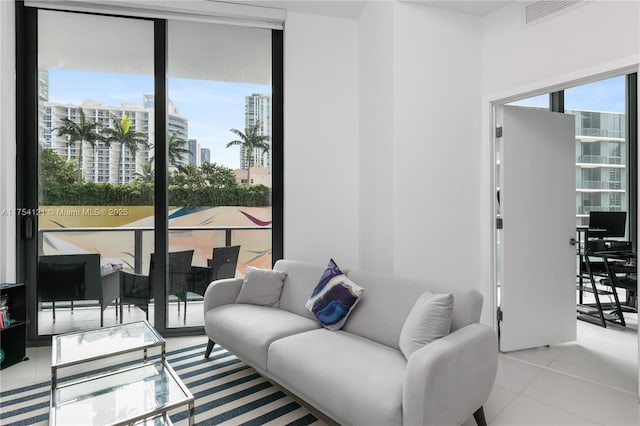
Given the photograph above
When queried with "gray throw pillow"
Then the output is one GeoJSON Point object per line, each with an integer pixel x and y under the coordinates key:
{"type": "Point", "coordinates": [261, 287]}
{"type": "Point", "coordinates": [429, 320]}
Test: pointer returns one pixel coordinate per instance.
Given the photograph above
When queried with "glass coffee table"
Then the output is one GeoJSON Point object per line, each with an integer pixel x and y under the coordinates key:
{"type": "Point", "coordinates": [142, 393]}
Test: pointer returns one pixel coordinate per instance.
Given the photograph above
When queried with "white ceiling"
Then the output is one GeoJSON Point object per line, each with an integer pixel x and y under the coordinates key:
{"type": "Point", "coordinates": [351, 9]}
{"type": "Point", "coordinates": [471, 7]}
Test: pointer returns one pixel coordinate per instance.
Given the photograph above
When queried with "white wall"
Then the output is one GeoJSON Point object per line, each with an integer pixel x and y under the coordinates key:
{"type": "Point", "coordinates": [376, 144]}
{"type": "Point", "coordinates": [321, 133]}
{"type": "Point", "coordinates": [419, 197]}
{"type": "Point", "coordinates": [437, 150]}
{"type": "Point", "coordinates": [363, 198]}
{"type": "Point", "coordinates": [595, 37]}
{"type": "Point", "coordinates": [7, 143]}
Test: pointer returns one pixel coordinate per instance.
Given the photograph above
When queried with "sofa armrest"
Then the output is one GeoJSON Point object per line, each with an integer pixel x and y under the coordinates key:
{"type": "Point", "coordinates": [448, 380]}
{"type": "Point", "coordinates": [221, 292]}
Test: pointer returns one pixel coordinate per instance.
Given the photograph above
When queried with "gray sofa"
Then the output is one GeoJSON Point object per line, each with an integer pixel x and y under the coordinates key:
{"type": "Point", "coordinates": [358, 375]}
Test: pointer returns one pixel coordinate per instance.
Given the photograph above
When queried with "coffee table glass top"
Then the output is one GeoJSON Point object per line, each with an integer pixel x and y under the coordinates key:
{"type": "Point", "coordinates": [71, 348]}
{"type": "Point", "coordinates": [121, 397]}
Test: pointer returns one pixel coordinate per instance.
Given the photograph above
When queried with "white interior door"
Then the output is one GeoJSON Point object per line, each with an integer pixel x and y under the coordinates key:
{"type": "Point", "coordinates": [537, 200]}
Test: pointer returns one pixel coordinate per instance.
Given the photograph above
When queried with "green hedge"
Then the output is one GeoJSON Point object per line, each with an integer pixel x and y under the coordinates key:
{"type": "Point", "coordinates": [142, 194]}
{"type": "Point", "coordinates": [240, 195]}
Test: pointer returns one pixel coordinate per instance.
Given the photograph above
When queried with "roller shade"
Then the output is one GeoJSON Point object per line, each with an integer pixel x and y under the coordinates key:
{"type": "Point", "coordinates": [186, 10]}
{"type": "Point", "coordinates": [196, 50]}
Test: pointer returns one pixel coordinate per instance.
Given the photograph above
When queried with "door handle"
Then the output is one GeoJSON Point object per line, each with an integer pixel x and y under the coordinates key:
{"type": "Point", "coordinates": [572, 241]}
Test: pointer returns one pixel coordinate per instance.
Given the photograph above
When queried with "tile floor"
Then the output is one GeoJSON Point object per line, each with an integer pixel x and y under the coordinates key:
{"type": "Point", "coordinates": [589, 382]}
{"type": "Point", "coordinates": [592, 381]}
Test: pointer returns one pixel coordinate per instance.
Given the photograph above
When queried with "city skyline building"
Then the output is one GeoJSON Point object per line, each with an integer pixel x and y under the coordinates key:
{"type": "Point", "coordinates": [205, 155]}
{"type": "Point", "coordinates": [116, 164]}
{"type": "Point", "coordinates": [601, 163]}
{"type": "Point", "coordinates": [107, 164]}
{"type": "Point", "coordinates": [194, 152]}
{"type": "Point", "coordinates": [257, 110]}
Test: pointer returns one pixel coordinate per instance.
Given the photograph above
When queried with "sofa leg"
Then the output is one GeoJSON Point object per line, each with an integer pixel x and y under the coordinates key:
{"type": "Point", "coordinates": [210, 345]}
{"type": "Point", "coordinates": [479, 417]}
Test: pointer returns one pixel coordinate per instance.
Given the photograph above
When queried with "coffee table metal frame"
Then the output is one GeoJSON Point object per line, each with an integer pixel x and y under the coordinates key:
{"type": "Point", "coordinates": [97, 349]}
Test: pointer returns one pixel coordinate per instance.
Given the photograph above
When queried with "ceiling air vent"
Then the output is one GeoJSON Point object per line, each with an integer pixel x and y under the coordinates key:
{"type": "Point", "coordinates": [544, 9]}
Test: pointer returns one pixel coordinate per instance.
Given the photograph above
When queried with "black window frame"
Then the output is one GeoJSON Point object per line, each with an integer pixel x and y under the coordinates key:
{"type": "Point", "coordinates": [27, 157]}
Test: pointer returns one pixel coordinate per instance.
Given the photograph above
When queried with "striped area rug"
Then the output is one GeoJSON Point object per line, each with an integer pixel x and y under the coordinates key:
{"type": "Point", "coordinates": [227, 391]}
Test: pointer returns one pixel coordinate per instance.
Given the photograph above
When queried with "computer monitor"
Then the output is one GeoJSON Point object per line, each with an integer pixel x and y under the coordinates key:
{"type": "Point", "coordinates": [607, 224]}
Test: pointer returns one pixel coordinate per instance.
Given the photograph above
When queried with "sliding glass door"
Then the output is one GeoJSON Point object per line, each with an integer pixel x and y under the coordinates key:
{"type": "Point", "coordinates": [151, 164]}
{"type": "Point", "coordinates": [95, 74]}
{"type": "Point", "coordinates": [219, 158]}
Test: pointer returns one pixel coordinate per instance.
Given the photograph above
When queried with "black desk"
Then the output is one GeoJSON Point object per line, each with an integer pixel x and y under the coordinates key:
{"type": "Point", "coordinates": [621, 268]}
{"type": "Point", "coordinates": [616, 270]}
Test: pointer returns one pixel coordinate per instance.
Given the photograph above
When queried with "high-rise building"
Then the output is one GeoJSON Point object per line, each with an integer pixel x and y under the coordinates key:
{"type": "Point", "coordinates": [205, 155]}
{"type": "Point", "coordinates": [194, 152]}
{"type": "Point", "coordinates": [601, 162]}
{"type": "Point", "coordinates": [257, 110]}
{"type": "Point", "coordinates": [114, 164]}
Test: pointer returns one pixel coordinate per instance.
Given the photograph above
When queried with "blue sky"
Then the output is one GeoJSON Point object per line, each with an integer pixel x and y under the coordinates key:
{"type": "Point", "coordinates": [604, 95]}
{"type": "Point", "coordinates": [211, 107]}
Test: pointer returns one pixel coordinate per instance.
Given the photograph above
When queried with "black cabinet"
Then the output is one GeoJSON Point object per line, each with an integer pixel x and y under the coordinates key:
{"type": "Point", "coordinates": [13, 333]}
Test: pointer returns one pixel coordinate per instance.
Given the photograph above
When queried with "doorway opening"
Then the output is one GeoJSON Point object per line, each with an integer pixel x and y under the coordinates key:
{"type": "Point", "coordinates": [605, 167]}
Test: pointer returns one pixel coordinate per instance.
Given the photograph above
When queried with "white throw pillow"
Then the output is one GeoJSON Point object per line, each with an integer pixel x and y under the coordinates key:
{"type": "Point", "coordinates": [429, 320]}
{"type": "Point", "coordinates": [261, 287]}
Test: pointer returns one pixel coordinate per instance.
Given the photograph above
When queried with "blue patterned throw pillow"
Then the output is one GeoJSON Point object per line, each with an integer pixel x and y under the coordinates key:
{"type": "Point", "coordinates": [334, 297]}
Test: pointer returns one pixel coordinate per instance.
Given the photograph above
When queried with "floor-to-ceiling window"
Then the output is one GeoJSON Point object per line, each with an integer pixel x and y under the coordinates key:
{"type": "Point", "coordinates": [602, 147]}
{"type": "Point", "coordinates": [94, 140]}
{"type": "Point", "coordinates": [220, 173]}
{"type": "Point", "coordinates": [143, 141]}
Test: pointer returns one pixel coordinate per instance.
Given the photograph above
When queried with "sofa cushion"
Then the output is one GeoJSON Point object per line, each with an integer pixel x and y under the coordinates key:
{"type": "Point", "coordinates": [248, 330]}
{"type": "Point", "coordinates": [353, 379]}
{"type": "Point", "coordinates": [261, 287]}
{"type": "Point", "coordinates": [382, 312]}
{"type": "Point", "coordinates": [428, 320]}
{"type": "Point", "coordinates": [302, 278]}
{"type": "Point", "coordinates": [333, 299]}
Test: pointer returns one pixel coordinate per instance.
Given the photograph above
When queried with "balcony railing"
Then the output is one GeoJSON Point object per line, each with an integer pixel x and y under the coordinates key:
{"type": "Point", "coordinates": [137, 235]}
{"type": "Point", "coordinates": [587, 209]}
{"type": "Point", "coordinates": [598, 184]}
{"type": "Point", "coordinates": [599, 159]}
{"type": "Point", "coordinates": [596, 131]}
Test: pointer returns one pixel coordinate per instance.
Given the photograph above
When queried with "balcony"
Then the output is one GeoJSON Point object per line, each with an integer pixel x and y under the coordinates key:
{"type": "Point", "coordinates": [599, 132]}
{"type": "Point", "coordinates": [131, 248]}
{"type": "Point", "coordinates": [584, 210]}
{"type": "Point", "coordinates": [598, 184]}
{"type": "Point", "coordinates": [600, 159]}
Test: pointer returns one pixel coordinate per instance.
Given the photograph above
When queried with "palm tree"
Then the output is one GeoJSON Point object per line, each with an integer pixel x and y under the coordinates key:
{"type": "Point", "coordinates": [146, 175]}
{"type": "Point", "coordinates": [177, 150]}
{"type": "Point", "coordinates": [121, 133]}
{"type": "Point", "coordinates": [83, 131]}
{"type": "Point", "coordinates": [251, 140]}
